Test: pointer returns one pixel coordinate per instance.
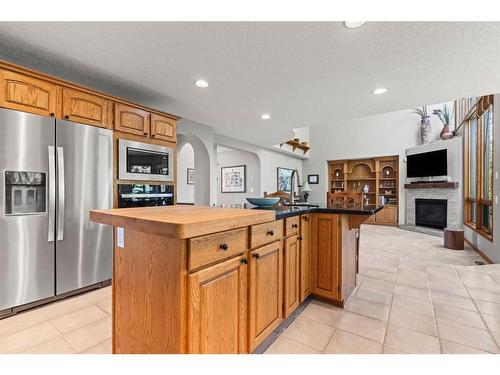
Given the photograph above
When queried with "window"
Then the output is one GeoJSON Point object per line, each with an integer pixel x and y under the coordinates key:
{"type": "Point", "coordinates": [478, 177]}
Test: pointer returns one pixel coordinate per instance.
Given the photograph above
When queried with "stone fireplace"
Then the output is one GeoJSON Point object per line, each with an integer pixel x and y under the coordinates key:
{"type": "Point", "coordinates": [431, 213]}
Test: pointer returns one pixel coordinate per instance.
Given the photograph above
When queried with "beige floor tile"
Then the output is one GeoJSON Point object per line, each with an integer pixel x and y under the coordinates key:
{"type": "Point", "coordinates": [453, 300]}
{"type": "Point", "coordinates": [28, 338]}
{"type": "Point", "coordinates": [376, 285]}
{"type": "Point", "coordinates": [105, 305]}
{"type": "Point", "coordinates": [410, 341]}
{"type": "Point", "coordinates": [309, 332]}
{"type": "Point", "coordinates": [22, 321]}
{"type": "Point", "coordinates": [412, 292]}
{"type": "Point", "coordinates": [493, 322]}
{"type": "Point", "coordinates": [369, 328]}
{"type": "Point", "coordinates": [78, 319]}
{"type": "Point", "coordinates": [460, 316]}
{"type": "Point", "coordinates": [371, 309]}
{"type": "Point", "coordinates": [380, 275]}
{"type": "Point", "coordinates": [383, 268]}
{"type": "Point", "coordinates": [449, 347]}
{"type": "Point", "coordinates": [55, 346]}
{"type": "Point", "coordinates": [90, 335]}
{"type": "Point", "coordinates": [100, 294]}
{"type": "Point", "coordinates": [389, 350]}
{"type": "Point", "coordinates": [322, 313]}
{"type": "Point", "coordinates": [484, 295]}
{"type": "Point", "coordinates": [343, 342]}
{"type": "Point", "coordinates": [101, 348]}
{"type": "Point", "coordinates": [67, 306]}
{"type": "Point", "coordinates": [412, 320]}
{"type": "Point", "coordinates": [374, 296]}
{"type": "Point", "coordinates": [496, 337]}
{"type": "Point", "coordinates": [283, 345]}
{"type": "Point", "coordinates": [413, 281]}
{"type": "Point", "coordinates": [465, 335]}
{"type": "Point", "coordinates": [486, 307]}
{"type": "Point", "coordinates": [412, 304]}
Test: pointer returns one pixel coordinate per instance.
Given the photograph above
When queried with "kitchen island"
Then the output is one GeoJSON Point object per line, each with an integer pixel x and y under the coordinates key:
{"type": "Point", "coordinates": [194, 279]}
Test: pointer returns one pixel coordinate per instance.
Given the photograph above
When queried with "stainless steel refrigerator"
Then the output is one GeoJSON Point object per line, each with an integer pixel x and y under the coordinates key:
{"type": "Point", "coordinates": [53, 173]}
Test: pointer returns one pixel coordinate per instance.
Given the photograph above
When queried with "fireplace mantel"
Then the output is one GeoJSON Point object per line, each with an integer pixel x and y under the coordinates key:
{"type": "Point", "coordinates": [432, 185]}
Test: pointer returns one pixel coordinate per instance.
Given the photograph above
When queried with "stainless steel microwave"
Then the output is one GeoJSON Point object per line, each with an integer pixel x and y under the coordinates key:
{"type": "Point", "coordinates": [146, 162]}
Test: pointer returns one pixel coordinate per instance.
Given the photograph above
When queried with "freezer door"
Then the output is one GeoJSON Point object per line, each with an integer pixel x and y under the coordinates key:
{"type": "Point", "coordinates": [84, 249]}
{"type": "Point", "coordinates": [27, 214]}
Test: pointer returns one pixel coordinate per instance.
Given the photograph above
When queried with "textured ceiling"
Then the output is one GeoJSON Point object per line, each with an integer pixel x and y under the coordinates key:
{"type": "Point", "coordinates": [304, 74]}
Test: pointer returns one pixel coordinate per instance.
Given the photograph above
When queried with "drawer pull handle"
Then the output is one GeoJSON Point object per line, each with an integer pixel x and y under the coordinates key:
{"type": "Point", "coordinates": [270, 233]}
{"type": "Point", "coordinates": [223, 246]}
{"type": "Point", "coordinates": [244, 261]}
{"type": "Point", "coordinates": [299, 238]}
{"type": "Point", "coordinates": [295, 225]}
{"type": "Point", "coordinates": [256, 256]}
{"type": "Point", "coordinates": [66, 117]}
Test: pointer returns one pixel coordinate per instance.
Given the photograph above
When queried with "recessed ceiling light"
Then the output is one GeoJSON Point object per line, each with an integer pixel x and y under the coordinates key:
{"type": "Point", "coordinates": [201, 83]}
{"type": "Point", "coordinates": [354, 24]}
{"type": "Point", "coordinates": [379, 91]}
{"type": "Point", "coordinates": [265, 116]}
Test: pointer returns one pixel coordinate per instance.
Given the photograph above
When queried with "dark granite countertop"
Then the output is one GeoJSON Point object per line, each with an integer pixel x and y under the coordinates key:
{"type": "Point", "coordinates": [293, 210]}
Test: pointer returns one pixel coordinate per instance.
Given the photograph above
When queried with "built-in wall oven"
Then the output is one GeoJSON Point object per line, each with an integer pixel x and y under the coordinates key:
{"type": "Point", "coordinates": [144, 162]}
{"type": "Point", "coordinates": [144, 195]}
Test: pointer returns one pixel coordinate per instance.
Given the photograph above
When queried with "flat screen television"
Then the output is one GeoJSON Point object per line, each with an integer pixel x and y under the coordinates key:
{"type": "Point", "coordinates": [427, 164]}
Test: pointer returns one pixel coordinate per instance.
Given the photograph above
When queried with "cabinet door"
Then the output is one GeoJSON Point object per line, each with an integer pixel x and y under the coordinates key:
{"type": "Point", "coordinates": [380, 216]}
{"type": "Point", "coordinates": [162, 128]}
{"type": "Point", "coordinates": [27, 94]}
{"type": "Point", "coordinates": [85, 108]}
{"type": "Point", "coordinates": [291, 269]}
{"type": "Point", "coordinates": [305, 257]}
{"type": "Point", "coordinates": [217, 309]}
{"type": "Point", "coordinates": [265, 292]}
{"type": "Point", "coordinates": [391, 214]}
{"type": "Point", "coordinates": [131, 120]}
{"type": "Point", "coordinates": [326, 240]}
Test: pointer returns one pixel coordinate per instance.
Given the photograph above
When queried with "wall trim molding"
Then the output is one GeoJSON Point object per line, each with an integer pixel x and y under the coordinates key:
{"type": "Point", "coordinates": [481, 254]}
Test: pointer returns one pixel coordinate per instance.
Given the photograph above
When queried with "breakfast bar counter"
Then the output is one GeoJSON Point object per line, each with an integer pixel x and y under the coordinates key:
{"type": "Point", "coordinates": [195, 279]}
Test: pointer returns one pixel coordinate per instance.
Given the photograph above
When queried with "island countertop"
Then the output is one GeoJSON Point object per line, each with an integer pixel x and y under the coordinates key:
{"type": "Point", "coordinates": [181, 221]}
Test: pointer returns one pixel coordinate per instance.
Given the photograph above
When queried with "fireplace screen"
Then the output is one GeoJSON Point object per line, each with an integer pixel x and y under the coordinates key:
{"type": "Point", "coordinates": [431, 213]}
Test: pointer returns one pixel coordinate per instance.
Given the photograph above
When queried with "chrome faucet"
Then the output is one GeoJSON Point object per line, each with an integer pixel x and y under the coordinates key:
{"type": "Point", "coordinates": [292, 191]}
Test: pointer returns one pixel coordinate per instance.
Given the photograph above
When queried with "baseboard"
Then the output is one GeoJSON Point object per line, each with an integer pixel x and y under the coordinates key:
{"type": "Point", "coordinates": [481, 254]}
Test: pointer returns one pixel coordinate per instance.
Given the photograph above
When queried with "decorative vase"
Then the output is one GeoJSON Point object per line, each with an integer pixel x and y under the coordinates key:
{"type": "Point", "coordinates": [446, 133]}
{"type": "Point", "coordinates": [366, 189]}
{"type": "Point", "coordinates": [425, 130]}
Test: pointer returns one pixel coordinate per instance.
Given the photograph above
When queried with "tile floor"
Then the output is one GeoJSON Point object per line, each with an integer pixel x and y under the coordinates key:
{"type": "Point", "coordinates": [414, 297]}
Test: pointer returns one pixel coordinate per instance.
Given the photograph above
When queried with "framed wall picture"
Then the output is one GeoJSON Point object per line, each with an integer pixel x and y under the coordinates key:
{"type": "Point", "coordinates": [233, 179]}
{"type": "Point", "coordinates": [190, 176]}
{"type": "Point", "coordinates": [313, 178]}
{"type": "Point", "coordinates": [284, 180]}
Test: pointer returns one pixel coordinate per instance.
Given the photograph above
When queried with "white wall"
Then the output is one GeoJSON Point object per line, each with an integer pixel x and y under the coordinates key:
{"type": "Point", "coordinates": [379, 135]}
{"type": "Point", "coordinates": [252, 163]}
{"type": "Point", "coordinates": [492, 249]}
{"type": "Point", "coordinates": [185, 160]}
{"type": "Point", "coordinates": [269, 161]}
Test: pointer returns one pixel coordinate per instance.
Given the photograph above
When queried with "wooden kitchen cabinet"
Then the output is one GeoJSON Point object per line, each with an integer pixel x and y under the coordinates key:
{"type": "Point", "coordinates": [326, 256]}
{"type": "Point", "coordinates": [388, 215]}
{"type": "Point", "coordinates": [291, 271]}
{"type": "Point", "coordinates": [25, 93]}
{"type": "Point", "coordinates": [163, 128]}
{"type": "Point", "coordinates": [217, 308]}
{"type": "Point", "coordinates": [265, 292]}
{"type": "Point", "coordinates": [305, 256]}
{"type": "Point", "coordinates": [84, 108]}
{"type": "Point", "coordinates": [131, 120]}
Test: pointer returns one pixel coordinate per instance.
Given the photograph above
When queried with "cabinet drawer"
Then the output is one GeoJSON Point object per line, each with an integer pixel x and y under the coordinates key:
{"type": "Point", "coordinates": [265, 233]}
{"type": "Point", "coordinates": [215, 247]}
{"type": "Point", "coordinates": [292, 225]}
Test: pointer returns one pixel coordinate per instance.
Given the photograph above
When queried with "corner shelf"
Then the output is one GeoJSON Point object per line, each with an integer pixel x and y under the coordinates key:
{"type": "Point", "coordinates": [296, 145]}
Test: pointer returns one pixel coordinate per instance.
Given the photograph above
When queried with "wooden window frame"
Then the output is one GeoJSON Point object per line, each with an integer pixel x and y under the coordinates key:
{"type": "Point", "coordinates": [476, 111]}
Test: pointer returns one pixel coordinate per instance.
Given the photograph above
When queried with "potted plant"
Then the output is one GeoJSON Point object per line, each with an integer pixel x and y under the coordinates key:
{"type": "Point", "coordinates": [425, 124]}
{"type": "Point", "coordinates": [445, 116]}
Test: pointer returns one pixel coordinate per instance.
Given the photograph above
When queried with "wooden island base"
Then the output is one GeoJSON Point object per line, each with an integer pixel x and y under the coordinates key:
{"type": "Point", "coordinates": [223, 291]}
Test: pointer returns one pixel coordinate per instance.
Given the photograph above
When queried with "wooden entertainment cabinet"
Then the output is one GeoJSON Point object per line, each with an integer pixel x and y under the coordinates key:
{"type": "Point", "coordinates": [381, 174]}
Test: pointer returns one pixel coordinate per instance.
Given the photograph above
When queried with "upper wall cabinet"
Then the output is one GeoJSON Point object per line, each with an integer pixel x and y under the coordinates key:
{"type": "Point", "coordinates": [131, 120]}
{"type": "Point", "coordinates": [24, 93]}
{"type": "Point", "coordinates": [162, 128]}
{"type": "Point", "coordinates": [85, 108]}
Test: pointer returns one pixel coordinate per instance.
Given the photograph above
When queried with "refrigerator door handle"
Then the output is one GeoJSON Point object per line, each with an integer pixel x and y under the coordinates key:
{"type": "Point", "coordinates": [61, 187]}
{"type": "Point", "coordinates": [52, 193]}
